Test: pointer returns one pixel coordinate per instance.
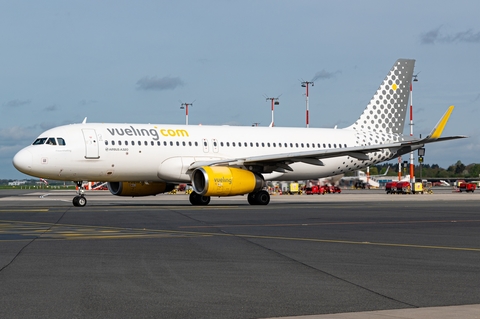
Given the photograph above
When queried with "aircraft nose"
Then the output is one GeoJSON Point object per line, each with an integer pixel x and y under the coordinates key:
{"type": "Point", "coordinates": [23, 161]}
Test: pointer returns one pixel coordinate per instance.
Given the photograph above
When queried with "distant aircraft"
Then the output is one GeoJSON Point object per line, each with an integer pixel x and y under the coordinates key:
{"type": "Point", "coordinates": [362, 177]}
{"type": "Point", "coordinates": [148, 159]}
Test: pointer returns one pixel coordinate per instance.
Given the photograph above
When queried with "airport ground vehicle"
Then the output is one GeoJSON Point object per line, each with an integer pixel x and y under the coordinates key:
{"type": "Point", "coordinates": [331, 189]}
{"type": "Point", "coordinates": [418, 188]}
{"type": "Point", "coordinates": [404, 188]}
{"type": "Point", "coordinates": [391, 187]}
{"type": "Point", "coordinates": [463, 186]}
{"type": "Point", "coordinates": [398, 188]}
{"type": "Point", "coordinates": [293, 188]}
{"type": "Point", "coordinates": [316, 189]}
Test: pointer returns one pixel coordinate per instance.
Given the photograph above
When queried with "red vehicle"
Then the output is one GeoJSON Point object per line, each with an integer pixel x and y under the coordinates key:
{"type": "Point", "coordinates": [466, 187]}
{"type": "Point", "coordinates": [333, 189]}
{"type": "Point", "coordinates": [391, 187]}
{"type": "Point", "coordinates": [404, 188]}
{"type": "Point", "coordinates": [320, 190]}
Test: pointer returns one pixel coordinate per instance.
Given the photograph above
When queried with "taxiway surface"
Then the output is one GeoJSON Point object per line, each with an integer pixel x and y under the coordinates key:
{"type": "Point", "coordinates": [160, 257]}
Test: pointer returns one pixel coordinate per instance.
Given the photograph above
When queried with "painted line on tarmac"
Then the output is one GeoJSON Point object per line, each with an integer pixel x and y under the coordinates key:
{"type": "Point", "coordinates": [409, 222]}
{"type": "Point", "coordinates": [79, 232]}
{"type": "Point", "coordinates": [42, 210]}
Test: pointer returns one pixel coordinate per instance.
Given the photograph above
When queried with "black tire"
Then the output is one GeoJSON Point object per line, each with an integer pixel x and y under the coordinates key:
{"type": "Point", "coordinates": [79, 201]}
{"type": "Point", "coordinates": [198, 200]}
{"type": "Point", "coordinates": [251, 199]}
{"type": "Point", "coordinates": [262, 198]}
{"type": "Point", "coordinates": [82, 201]}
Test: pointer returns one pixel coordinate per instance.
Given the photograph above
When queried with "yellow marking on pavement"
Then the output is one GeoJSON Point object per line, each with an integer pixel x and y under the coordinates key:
{"type": "Point", "coordinates": [46, 231]}
{"type": "Point", "coordinates": [24, 210]}
{"type": "Point", "coordinates": [335, 223]}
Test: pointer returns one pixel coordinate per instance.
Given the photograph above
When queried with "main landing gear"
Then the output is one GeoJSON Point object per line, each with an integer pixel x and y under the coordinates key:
{"type": "Point", "coordinates": [80, 200]}
{"type": "Point", "coordinates": [198, 200]}
{"type": "Point", "coordinates": [259, 198]}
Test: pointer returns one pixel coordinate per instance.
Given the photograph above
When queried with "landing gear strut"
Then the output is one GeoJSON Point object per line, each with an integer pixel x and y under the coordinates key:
{"type": "Point", "coordinates": [198, 200]}
{"type": "Point", "coordinates": [259, 198]}
{"type": "Point", "coordinates": [80, 200]}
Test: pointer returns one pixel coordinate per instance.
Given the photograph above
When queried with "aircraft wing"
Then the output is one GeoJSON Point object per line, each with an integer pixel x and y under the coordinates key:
{"type": "Point", "coordinates": [280, 161]}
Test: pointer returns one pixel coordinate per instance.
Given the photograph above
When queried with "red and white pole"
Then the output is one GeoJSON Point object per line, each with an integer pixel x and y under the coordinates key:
{"type": "Point", "coordinates": [185, 105]}
{"type": "Point", "coordinates": [305, 84]}
{"type": "Point", "coordinates": [307, 121]}
{"type": "Point", "coordinates": [272, 114]}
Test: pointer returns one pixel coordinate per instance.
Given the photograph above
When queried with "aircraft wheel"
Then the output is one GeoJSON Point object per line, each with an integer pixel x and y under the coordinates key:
{"type": "Point", "coordinates": [197, 199]}
{"type": "Point", "coordinates": [79, 201]}
{"type": "Point", "coordinates": [251, 199]}
{"type": "Point", "coordinates": [262, 198]}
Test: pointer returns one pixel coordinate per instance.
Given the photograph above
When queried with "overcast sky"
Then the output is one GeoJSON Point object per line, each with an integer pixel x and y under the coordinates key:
{"type": "Point", "coordinates": [137, 61]}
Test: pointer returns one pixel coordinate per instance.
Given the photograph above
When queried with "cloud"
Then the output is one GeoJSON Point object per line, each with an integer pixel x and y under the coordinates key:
{"type": "Point", "coordinates": [159, 84]}
{"type": "Point", "coordinates": [15, 133]}
{"type": "Point", "coordinates": [16, 103]}
{"type": "Point", "coordinates": [50, 108]}
{"type": "Point", "coordinates": [323, 75]}
{"type": "Point", "coordinates": [435, 36]}
{"type": "Point", "coordinates": [87, 102]}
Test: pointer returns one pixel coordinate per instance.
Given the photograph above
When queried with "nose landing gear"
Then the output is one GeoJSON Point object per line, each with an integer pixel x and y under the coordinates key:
{"type": "Point", "coordinates": [80, 200]}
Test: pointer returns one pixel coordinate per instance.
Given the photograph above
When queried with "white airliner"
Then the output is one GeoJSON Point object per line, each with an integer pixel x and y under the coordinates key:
{"type": "Point", "coordinates": [149, 159]}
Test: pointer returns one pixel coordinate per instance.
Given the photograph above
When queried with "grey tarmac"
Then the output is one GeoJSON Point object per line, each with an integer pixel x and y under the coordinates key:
{"type": "Point", "coordinates": [359, 254]}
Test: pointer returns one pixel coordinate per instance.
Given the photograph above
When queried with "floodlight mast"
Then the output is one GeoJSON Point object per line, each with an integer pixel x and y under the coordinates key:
{"type": "Point", "coordinates": [305, 84]}
{"type": "Point", "coordinates": [185, 106]}
{"type": "Point", "coordinates": [274, 101]}
{"type": "Point", "coordinates": [412, 164]}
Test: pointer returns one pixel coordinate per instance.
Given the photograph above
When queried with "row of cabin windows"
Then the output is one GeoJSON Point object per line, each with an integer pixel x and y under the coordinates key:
{"type": "Point", "coordinates": [227, 144]}
{"type": "Point", "coordinates": [297, 145]}
{"type": "Point", "coordinates": [152, 143]}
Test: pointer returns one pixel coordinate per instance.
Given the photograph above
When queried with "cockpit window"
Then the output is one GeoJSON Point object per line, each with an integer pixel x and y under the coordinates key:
{"type": "Point", "coordinates": [51, 141]}
{"type": "Point", "coordinates": [40, 141]}
{"type": "Point", "coordinates": [61, 141]}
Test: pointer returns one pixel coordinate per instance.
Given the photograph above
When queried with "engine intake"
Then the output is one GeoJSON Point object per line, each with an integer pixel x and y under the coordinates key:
{"type": "Point", "coordinates": [225, 181]}
{"type": "Point", "coordinates": [138, 188]}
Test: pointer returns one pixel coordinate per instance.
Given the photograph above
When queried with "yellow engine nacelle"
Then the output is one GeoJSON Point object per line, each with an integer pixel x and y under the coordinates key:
{"type": "Point", "coordinates": [225, 181]}
{"type": "Point", "coordinates": [138, 188]}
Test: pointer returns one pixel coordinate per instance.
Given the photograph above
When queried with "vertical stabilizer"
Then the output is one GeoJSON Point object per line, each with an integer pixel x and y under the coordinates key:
{"type": "Point", "coordinates": [387, 109]}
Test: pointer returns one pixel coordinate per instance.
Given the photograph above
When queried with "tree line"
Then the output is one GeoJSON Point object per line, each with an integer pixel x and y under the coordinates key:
{"type": "Point", "coordinates": [457, 170]}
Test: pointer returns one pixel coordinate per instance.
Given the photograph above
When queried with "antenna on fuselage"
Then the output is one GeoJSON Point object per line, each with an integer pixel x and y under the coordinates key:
{"type": "Point", "coordinates": [84, 120]}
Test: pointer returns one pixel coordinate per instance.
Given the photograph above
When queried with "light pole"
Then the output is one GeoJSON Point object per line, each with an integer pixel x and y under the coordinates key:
{"type": "Point", "coordinates": [305, 84]}
{"type": "Point", "coordinates": [421, 154]}
{"type": "Point", "coordinates": [185, 106]}
{"type": "Point", "coordinates": [274, 101]}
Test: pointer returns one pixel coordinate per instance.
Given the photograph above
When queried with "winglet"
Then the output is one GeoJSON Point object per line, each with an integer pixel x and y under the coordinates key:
{"type": "Point", "coordinates": [438, 129]}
